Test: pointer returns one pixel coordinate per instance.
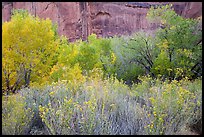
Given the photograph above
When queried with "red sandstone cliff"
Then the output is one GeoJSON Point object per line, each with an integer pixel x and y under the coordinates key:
{"type": "Point", "coordinates": [79, 19]}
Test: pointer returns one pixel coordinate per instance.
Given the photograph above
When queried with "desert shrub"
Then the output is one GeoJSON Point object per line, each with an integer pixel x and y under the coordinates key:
{"type": "Point", "coordinates": [97, 107]}
{"type": "Point", "coordinates": [111, 107]}
{"type": "Point", "coordinates": [173, 105]}
{"type": "Point", "coordinates": [34, 97]}
{"type": "Point", "coordinates": [107, 106]}
{"type": "Point", "coordinates": [16, 117]}
{"type": "Point", "coordinates": [195, 120]}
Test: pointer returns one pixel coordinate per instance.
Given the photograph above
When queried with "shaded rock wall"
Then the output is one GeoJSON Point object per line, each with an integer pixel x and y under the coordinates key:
{"type": "Point", "coordinates": [79, 19]}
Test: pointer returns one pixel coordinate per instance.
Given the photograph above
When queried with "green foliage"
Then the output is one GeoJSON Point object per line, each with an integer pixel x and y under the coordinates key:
{"type": "Point", "coordinates": [134, 55]}
{"type": "Point", "coordinates": [96, 53]}
{"type": "Point", "coordinates": [162, 65]}
{"type": "Point", "coordinates": [179, 38]}
{"type": "Point", "coordinates": [79, 59]}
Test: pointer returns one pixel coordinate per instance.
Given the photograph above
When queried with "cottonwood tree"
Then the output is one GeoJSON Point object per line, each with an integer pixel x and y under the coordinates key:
{"type": "Point", "coordinates": [29, 46]}
{"type": "Point", "coordinates": [180, 44]}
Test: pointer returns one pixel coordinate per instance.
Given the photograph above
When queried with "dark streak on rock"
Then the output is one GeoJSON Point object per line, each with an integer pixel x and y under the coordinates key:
{"type": "Point", "coordinates": [47, 5]}
{"type": "Point", "coordinates": [143, 5]}
{"type": "Point", "coordinates": [103, 13]}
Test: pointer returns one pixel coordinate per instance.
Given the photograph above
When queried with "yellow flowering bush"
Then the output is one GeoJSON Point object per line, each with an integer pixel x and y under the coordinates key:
{"type": "Point", "coordinates": [16, 118]}
{"type": "Point", "coordinates": [107, 106]}
{"type": "Point", "coordinates": [172, 107]}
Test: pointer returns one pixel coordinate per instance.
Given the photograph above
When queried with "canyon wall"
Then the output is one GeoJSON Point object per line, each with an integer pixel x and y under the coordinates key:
{"type": "Point", "coordinates": [79, 19]}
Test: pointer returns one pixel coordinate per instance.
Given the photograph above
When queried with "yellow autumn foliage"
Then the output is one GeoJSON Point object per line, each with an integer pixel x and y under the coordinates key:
{"type": "Point", "coordinates": [28, 50]}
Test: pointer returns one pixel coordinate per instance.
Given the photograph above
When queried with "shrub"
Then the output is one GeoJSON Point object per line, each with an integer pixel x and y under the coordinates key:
{"type": "Point", "coordinates": [97, 107]}
{"type": "Point", "coordinates": [16, 117]}
{"type": "Point", "coordinates": [111, 107]}
{"type": "Point", "coordinates": [173, 105]}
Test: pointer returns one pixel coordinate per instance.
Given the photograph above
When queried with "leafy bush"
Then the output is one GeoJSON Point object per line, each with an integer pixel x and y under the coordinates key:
{"type": "Point", "coordinates": [180, 40]}
{"type": "Point", "coordinates": [138, 60]}
{"type": "Point", "coordinates": [77, 60]}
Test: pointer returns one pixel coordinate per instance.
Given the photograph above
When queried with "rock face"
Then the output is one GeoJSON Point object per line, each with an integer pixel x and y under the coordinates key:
{"type": "Point", "coordinates": [79, 19]}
